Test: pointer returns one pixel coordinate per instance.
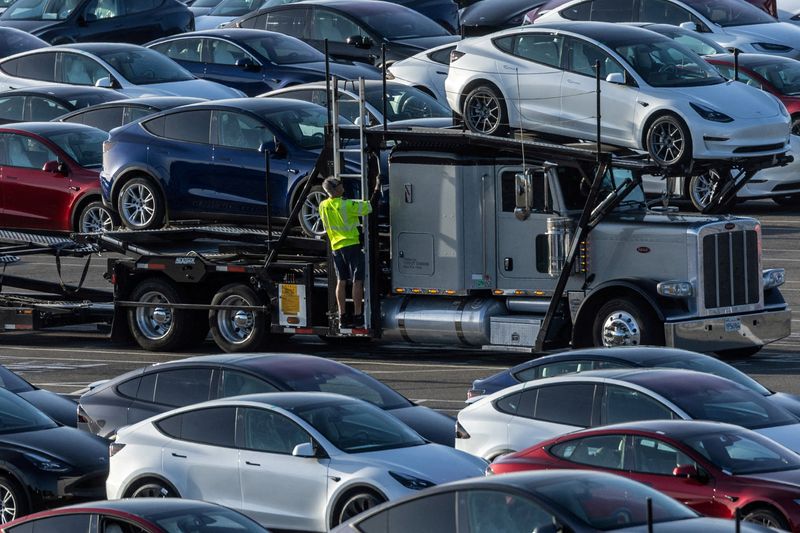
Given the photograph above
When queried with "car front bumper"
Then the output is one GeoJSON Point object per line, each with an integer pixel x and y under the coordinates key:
{"type": "Point", "coordinates": [729, 332]}
{"type": "Point", "coordinates": [741, 139]}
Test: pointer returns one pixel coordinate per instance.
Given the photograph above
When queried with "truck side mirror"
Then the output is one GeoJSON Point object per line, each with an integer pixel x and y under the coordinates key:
{"type": "Point", "coordinates": [523, 195]}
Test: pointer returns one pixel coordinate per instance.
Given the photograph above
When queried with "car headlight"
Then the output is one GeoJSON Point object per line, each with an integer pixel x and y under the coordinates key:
{"type": "Point", "coordinates": [411, 482]}
{"type": "Point", "coordinates": [774, 277]}
{"type": "Point", "coordinates": [772, 47]}
{"type": "Point", "coordinates": [675, 289]}
{"type": "Point", "coordinates": [710, 114]}
{"type": "Point", "coordinates": [46, 463]}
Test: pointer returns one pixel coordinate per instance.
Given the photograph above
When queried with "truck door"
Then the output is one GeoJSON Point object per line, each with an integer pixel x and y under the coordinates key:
{"type": "Point", "coordinates": [517, 240]}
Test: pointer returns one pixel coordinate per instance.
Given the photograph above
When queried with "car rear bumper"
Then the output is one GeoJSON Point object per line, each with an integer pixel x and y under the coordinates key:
{"type": "Point", "coordinates": [729, 332]}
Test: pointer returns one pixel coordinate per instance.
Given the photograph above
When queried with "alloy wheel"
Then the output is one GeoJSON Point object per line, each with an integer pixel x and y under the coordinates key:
{"type": "Point", "coordinates": [138, 205]}
{"type": "Point", "coordinates": [357, 505]}
{"type": "Point", "coordinates": [96, 220]}
{"type": "Point", "coordinates": [483, 111]}
{"type": "Point", "coordinates": [310, 220]}
{"type": "Point", "coordinates": [8, 505]}
{"type": "Point", "coordinates": [667, 142]}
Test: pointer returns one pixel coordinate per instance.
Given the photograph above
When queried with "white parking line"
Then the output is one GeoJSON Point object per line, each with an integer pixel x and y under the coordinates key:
{"type": "Point", "coordinates": [452, 366]}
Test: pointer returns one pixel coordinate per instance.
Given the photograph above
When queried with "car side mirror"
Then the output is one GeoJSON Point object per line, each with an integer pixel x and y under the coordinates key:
{"type": "Point", "coordinates": [82, 22]}
{"type": "Point", "coordinates": [359, 42]}
{"type": "Point", "coordinates": [247, 64]}
{"type": "Point", "coordinates": [305, 449]}
{"type": "Point", "coordinates": [686, 471]}
{"type": "Point", "coordinates": [616, 77]}
{"type": "Point", "coordinates": [55, 167]}
{"type": "Point", "coordinates": [104, 82]}
{"type": "Point", "coordinates": [691, 26]}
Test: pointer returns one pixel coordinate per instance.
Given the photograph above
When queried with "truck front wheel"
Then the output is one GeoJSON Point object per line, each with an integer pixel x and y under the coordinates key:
{"type": "Point", "coordinates": [238, 329]}
{"type": "Point", "coordinates": [625, 322]}
{"type": "Point", "coordinates": [157, 328]}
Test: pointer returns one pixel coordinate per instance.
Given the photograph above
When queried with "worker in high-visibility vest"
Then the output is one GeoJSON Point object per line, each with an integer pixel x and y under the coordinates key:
{"type": "Point", "coordinates": [340, 217]}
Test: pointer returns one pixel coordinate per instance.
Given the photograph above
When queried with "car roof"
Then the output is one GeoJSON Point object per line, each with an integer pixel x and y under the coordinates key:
{"type": "Point", "coordinates": [46, 128]}
{"type": "Point", "coordinates": [633, 354]}
{"type": "Point", "coordinates": [291, 400]}
{"type": "Point", "coordinates": [94, 48]}
{"type": "Point", "coordinates": [676, 429]}
{"type": "Point", "coordinates": [255, 105]}
{"type": "Point", "coordinates": [350, 6]}
{"type": "Point", "coordinates": [608, 33]}
{"type": "Point", "coordinates": [64, 91]}
{"type": "Point", "coordinates": [230, 33]}
{"type": "Point", "coordinates": [669, 382]}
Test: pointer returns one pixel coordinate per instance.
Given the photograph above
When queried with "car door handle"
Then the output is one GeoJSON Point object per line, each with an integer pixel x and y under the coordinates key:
{"type": "Point", "coordinates": [248, 463]}
{"type": "Point", "coordinates": [292, 171]}
{"type": "Point", "coordinates": [73, 188]}
{"type": "Point", "coordinates": [572, 82]}
{"type": "Point", "coordinates": [443, 73]}
{"type": "Point", "coordinates": [178, 455]}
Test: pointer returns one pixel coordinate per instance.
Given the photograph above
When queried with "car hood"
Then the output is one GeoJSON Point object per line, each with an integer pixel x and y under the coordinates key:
{"type": "Point", "coordinates": [790, 402]}
{"type": "Point", "coordinates": [193, 88]}
{"type": "Point", "coordinates": [424, 43]}
{"type": "Point", "coordinates": [30, 26]}
{"type": "Point", "coordinates": [348, 71]}
{"type": "Point", "coordinates": [788, 435]}
{"type": "Point", "coordinates": [735, 99]}
{"type": "Point", "coordinates": [62, 410]}
{"type": "Point", "coordinates": [200, 11]}
{"type": "Point", "coordinates": [69, 445]}
{"type": "Point", "coordinates": [434, 426]}
{"type": "Point", "coordinates": [776, 32]}
{"type": "Point", "coordinates": [785, 477]}
{"type": "Point", "coordinates": [433, 462]}
{"type": "Point", "coordinates": [209, 22]}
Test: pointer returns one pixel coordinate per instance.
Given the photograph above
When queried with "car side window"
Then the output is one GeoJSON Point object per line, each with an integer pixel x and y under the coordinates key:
{"type": "Point", "coordinates": [653, 456]}
{"type": "Point", "coordinates": [728, 72]}
{"type": "Point", "coordinates": [564, 367]}
{"type": "Point", "coordinates": [581, 58]}
{"type": "Point", "coordinates": [81, 70]}
{"type": "Point", "coordinates": [499, 510]}
{"type": "Point", "coordinates": [621, 404]}
{"type": "Point", "coordinates": [45, 109]}
{"type": "Point", "coordinates": [237, 130]}
{"type": "Point", "coordinates": [190, 126]}
{"type": "Point", "coordinates": [442, 56]}
{"type": "Point", "coordinates": [139, 6]}
{"type": "Point", "coordinates": [431, 514]}
{"type": "Point", "coordinates": [258, 22]}
{"type": "Point", "coordinates": [181, 49]}
{"type": "Point", "coordinates": [26, 152]}
{"type": "Point", "coordinates": [215, 426]}
{"type": "Point", "coordinates": [334, 27]}
{"type": "Point", "coordinates": [225, 53]}
{"type": "Point", "coordinates": [115, 525]}
{"type": "Point", "coordinates": [105, 119]}
{"type": "Point", "coordinates": [601, 10]}
{"type": "Point", "coordinates": [267, 431]}
{"type": "Point", "coordinates": [104, 9]}
{"type": "Point", "coordinates": [236, 383]}
{"type": "Point", "coordinates": [539, 48]}
{"type": "Point", "coordinates": [183, 387]}
{"type": "Point", "coordinates": [508, 404]}
{"type": "Point", "coordinates": [664, 12]}
{"type": "Point", "coordinates": [603, 451]}
{"type": "Point", "coordinates": [288, 21]}
{"type": "Point", "coordinates": [129, 388]}
{"type": "Point", "coordinates": [11, 108]}
{"type": "Point", "coordinates": [40, 67]}
{"type": "Point", "coordinates": [71, 523]}
{"type": "Point", "coordinates": [566, 403]}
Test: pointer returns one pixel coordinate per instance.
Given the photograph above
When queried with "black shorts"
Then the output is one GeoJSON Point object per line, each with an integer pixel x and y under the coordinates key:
{"type": "Point", "coordinates": [349, 263]}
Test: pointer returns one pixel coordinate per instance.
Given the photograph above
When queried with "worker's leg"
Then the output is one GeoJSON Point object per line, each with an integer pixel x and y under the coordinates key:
{"type": "Point", "coordinates": [341, 294]}
{"type": "Point", "coordinates": [358, 297]}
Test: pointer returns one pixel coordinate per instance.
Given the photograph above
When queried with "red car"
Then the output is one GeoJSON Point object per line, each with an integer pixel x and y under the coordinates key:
{"type": "Point", "coordinates": [50, 177]}
{"type": "Point", "coordinates": [709, 466]}
{"type": "Point", "coordinates": [777, 75]}
{"type": "Point", "coordinates": [139, 515]}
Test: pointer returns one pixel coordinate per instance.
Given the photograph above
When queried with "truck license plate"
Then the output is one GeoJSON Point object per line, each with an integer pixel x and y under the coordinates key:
{"type": "Point", "coordinates": [732, 324]}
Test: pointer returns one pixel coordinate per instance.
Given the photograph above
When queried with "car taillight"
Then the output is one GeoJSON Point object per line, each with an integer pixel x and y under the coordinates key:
{"type": "Point", "coordinates": [461, 433]}
{"type": "Point", "coordinates": [455, 55]}
{"type": "Point", "coordinates": [107, 146]}
{"type": "Point", "coordinates": [114, 447]}
{"type": "Point", "coordinates": [474, 393]}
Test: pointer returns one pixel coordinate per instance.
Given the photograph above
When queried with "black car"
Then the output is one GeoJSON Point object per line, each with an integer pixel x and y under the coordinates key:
{"type": "Point", "coordinates": [14, 41]}
{"type": "Point", "coordinates": [355, 29]}
{"type": "Point", "coordinates": [488, 16]}
{"type": "Point", "coordinates": [202, 7]}
{"type": "Point", "coordinates": [44, 103]}
{"type": "Point", "coordinates": [254, 61]}
{"type": "Point", "coordinates": [61, 409]}
{"type": "Point", "coordinates": [115, 114]}
{"type": "Point", "coordinates": [148, 391]}
{"type": "Point", "coordinates": [624, 357]}
{"type": "Point", "coordinates": [43, 464]}
{"type": "Point", "coordinates": [70, 21]}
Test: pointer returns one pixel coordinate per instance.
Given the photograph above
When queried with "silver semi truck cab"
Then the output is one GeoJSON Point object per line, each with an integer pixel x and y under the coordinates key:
{"type": "Point", "coordinates": [477, 248]}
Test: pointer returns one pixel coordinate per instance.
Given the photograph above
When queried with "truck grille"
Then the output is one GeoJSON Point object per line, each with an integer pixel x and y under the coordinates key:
{"type": "Point", "coordinates": [731, 275]}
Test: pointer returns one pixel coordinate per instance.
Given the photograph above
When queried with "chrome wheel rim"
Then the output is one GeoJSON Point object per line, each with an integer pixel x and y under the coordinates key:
{"type": "Point", "coordinates": [8, 505]}
{"type": "Point", "coordinates": [96, 220]}
{"type": "Point", "coordinates": [667, 143]}
{"type": "Point", "coordinates": [155, 323]}
{"type": "Point", "coordinates": [483, 112]}
{"type": "Point", "coordinates": [621, 329]}
{"type": "Point", "coordinates": [236, 325]}
{"type": "Point", "coordinates": [310, 220]}
{"type": "Point", "coordinates": [138, 205]}
{"type": "Point", "coordinates": [702, 190]}
{"type": "Point", "coordinates": [764, 520]}
{"type": "Point", "coordinates": [357, 505]}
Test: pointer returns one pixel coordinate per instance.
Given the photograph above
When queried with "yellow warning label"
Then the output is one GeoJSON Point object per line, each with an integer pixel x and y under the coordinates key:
{"type": "Point", "coordinates": [290, 300]}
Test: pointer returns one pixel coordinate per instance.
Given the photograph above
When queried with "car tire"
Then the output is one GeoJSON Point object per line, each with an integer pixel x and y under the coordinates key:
{"type": "Point", "coordinates": [96, 218]}
{"type": "Point", "coordinates": [699, 192]}
{"type": "Point", "coordinates": [354, 504]}
{"type": "Point", "coordinates": [668, 141]}
{"type": "Point", "coordinates": [795, 125]}
{"type": "Point", "coordinates": [152, 488]}
{"type": "Point", "coordinates": [766, 517]}
{"type": "Point", "coordinates": [308, 217]}
{"type": "Point", "coordinates": [140, 205]}
{"type": "Point", "coordinates": [484, 111]}
{"type": "Point", "coordinates": [626, 322]}
{"type": "Point", "coordinates": [738, 353]}
{"type": "Point", "coordinates": [13, 500]}
{"type": "Point", "coordinates": [238, 330]}
{"type": "Point", "coordinates": [160, 328]}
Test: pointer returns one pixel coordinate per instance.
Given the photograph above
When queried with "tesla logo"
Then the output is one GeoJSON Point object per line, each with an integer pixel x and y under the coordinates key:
{"type": "Point", "coordinates": [643, 250]}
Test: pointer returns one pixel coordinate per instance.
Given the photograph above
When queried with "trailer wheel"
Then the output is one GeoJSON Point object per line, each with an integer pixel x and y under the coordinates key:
{"type": "Point", "coordinates": [238, 330]}
{"type": "Point", "coordinates": [160, 328]}
{"type": "Point", "coordinates": [624, 322]}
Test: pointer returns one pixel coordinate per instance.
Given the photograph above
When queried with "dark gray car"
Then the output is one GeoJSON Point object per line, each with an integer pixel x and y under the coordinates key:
{"type": "Point", "coordinates": [148, 391]}
{"type": "Point", "coordinates": [57, 407]}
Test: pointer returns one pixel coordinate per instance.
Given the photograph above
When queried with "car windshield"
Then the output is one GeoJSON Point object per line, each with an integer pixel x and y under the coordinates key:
{"type": "Point", "coordinates": [396, 22]}
{"type": "Point", "coordinates": [694, 41]}
{"type": "Point", "coordinates": [667, 64]}
{"type": "Point", "coordinates": [12, 382]}
{"type": "Point", "coordinates": [737, 452]}
{"type": "Point", "coordinates": [205, 3]}
{"type": "Point", "coordinates": [284, 50]}
{"type": "Point", "coordinates": [597, 502]}
{"type": "Point", "coordinates": [15, 42]}
{"type": "Point", "coordinates": [234, 8]}
{"type": "Point", "coordinates": [784, 76]}
{"type": "Point", "coordinates": [355, 427]}
{"type": "Point", "coordinates": [144, 66]}
{"type": "Point", "coordinates": [303, 126]}
{"type": "Point", "coordinates": [40, 9]}
{"type": "Point", "coordinates": [709, 365]}
{"type": "Point", "coordinates": [403, 103]}
{"type": "Point", "coordinates": [202, 520]}
{"type": "Point", "coordinates": [730, 12]}
{"type": "Point", "coordinates": [85, 146]}
{"type": "Point", "coordinates": [17, 415]}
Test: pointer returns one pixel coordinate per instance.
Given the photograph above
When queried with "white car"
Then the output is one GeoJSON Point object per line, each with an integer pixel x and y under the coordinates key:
{"type": "Point", "coordinates": [656, 95]}
{"type": "Point", "coordinates": [226, 11]}
{"type": "Point", "coordinates": [731, 23]}
{"type": "Point", "coordinates": [289, 460]}
{"type": "Point", "coordinates": [789, 11]}
{"type": "Point", "coordinates": [132, 70]}
{"type": "Point", "coordinates": [426, 70]}
{"type": "Point", "coordinates": [523, 415]}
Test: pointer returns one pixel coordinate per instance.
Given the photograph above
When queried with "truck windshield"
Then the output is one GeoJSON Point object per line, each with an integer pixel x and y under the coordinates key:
{"type": "Point", "coordinates": [575, 189]}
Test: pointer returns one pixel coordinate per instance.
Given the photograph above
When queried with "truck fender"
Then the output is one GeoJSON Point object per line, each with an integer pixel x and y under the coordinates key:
{"type": "Point", "coordinates": [644, 290]}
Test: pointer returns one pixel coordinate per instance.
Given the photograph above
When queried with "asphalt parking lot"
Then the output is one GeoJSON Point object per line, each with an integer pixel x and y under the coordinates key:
{"type": "Point", "coordinates": [67, 361]}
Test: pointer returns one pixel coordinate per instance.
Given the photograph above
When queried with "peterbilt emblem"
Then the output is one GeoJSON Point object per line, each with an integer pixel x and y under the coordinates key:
{"type": "Point", "coordinates": [643, 250]}
{"type": "Point", "coordinates": [730, 225]}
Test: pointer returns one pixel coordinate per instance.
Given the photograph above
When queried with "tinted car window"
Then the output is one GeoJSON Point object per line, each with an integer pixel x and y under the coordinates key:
{"type": "Point", "coordinates": [509, 404]}
{"type": "Point", "coordinates": [11, 108]}
{"type": "Point", "coordinates": [84, 147]}
{"type": "Point", "coordinates": [621, 404]}
{"type": "Point", "coordinates": [191, 126]}
{"type": "Point", "coordinates": [602, 451]}
{"type": "Point", "coordinates": [45, 109]}
{"type": "Point", "coordinates": [653, 456]}
{"type": "Point", "coordinates": [545, 49]}
{"type": "Point", "coordinates": [144, 66]}
{"type": "Point", "coordinates": [291, 22]}
{"type": "Point", "coordinates": [41, 9]}
{"type": "Point", "coordinates": [442, 56]}
{"type": "Point", "coordinates": [237, 383]}
{"type": "Point", "coordinates": [36, 67]}
{"type": "Point", "coordinates": [497, 510]}
{"type": "Point", "coordinates": [183, 387]}
{"type": "Point", "coordinates": [214, 426]}
{"type": "Point", "coordinates": [432, 514]}
{"type": "Point", "coordinates": [260, 22]}
{"type": "Point", "coordinates": [26, 152]}
{"type": "Point", "coordinates": [135, 113]}
{"type": "Point", "coordinates": [601, 10]}
{"type": "Point", "coordinates": [333, 26]}
{"type": "Point", "coordinates": [582, 56]}
{"type": "Point", "coordinates": [181, 49]}
{"type": "Point", "coordinates": [81, 70]}
{"type": "Point", "coordinates": [104, 9]}
{"type": "Point", "coordinates": [743, 77]}
{"type": "Point", "coordinates": [566, 403]}
{"type": "Point", "coordinates": [240, 131]}
{"type": "Point", "coordinates": [171, 426]}
{"type": "Point", "coordinates": [268, 431]}
{"type": "Point", "coordinates": [156, 125]}
{"type": "Point", "coordinates": [105, 119]}
{"type": "Point", "coordinates": [74, 523]}
{"type": "Point", "coordinates": [225, 53]}
{"type": "Point", "coordinates": [664, 12]}
{"type": "Point", "coordinates": [147, 387]}
{"type": "Point", "coordinates": [137, 6]}
{"type": "Point", "coordinates": [129, 388]}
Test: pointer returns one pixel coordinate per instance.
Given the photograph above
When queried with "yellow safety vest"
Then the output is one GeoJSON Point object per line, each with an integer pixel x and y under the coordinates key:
{"type": "Point", "coordinates": [340, 218]}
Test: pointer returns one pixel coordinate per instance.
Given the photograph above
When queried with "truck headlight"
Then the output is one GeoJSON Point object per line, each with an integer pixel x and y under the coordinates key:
{"type": "Point", "coordinates": [774, 277]}
{"type": "Point", "coordinates": [675, 289]}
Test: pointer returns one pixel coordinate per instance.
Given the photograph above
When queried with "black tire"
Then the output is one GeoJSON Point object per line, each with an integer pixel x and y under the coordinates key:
{"type": "Point", "coordinates": [668, 141]}
{"type": "Point", "coordinates": [485, 111]}
{"type": "Point", "coordinates": [354, 504]}
{"type": "Point", "coordinates": [790, 200]}
{"type": "Point", "coordinates": [160, 328]}
{"type": "Point", "coordinates": [152, 488]}
{"type": "Point", "coordinates": [738, 353]}
{"type": "Point", "coordinates": [238, 330]}
{"type": "Point", "coordinates": [13, 500]}
{"type": "Point", "coordinates": [795, 125]}
{"type": "Point", "coordinates": [140, 204]}
{"type": "Point", "coordinates": [627, 322]}
{"type": "Point", "coordinates": [95, 217]}
{"type": "Point", "coordinates": [766, 517]}
{"type": "Point", "coordinates": [308, 217]}
{"type": "Point", "coordinates": [699, 190]}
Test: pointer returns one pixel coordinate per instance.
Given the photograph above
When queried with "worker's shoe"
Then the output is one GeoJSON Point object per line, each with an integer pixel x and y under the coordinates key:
{"type": "Point", "coordinates": [345, 320]}
{"type": "Point", "coordinates": [358, 321]}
